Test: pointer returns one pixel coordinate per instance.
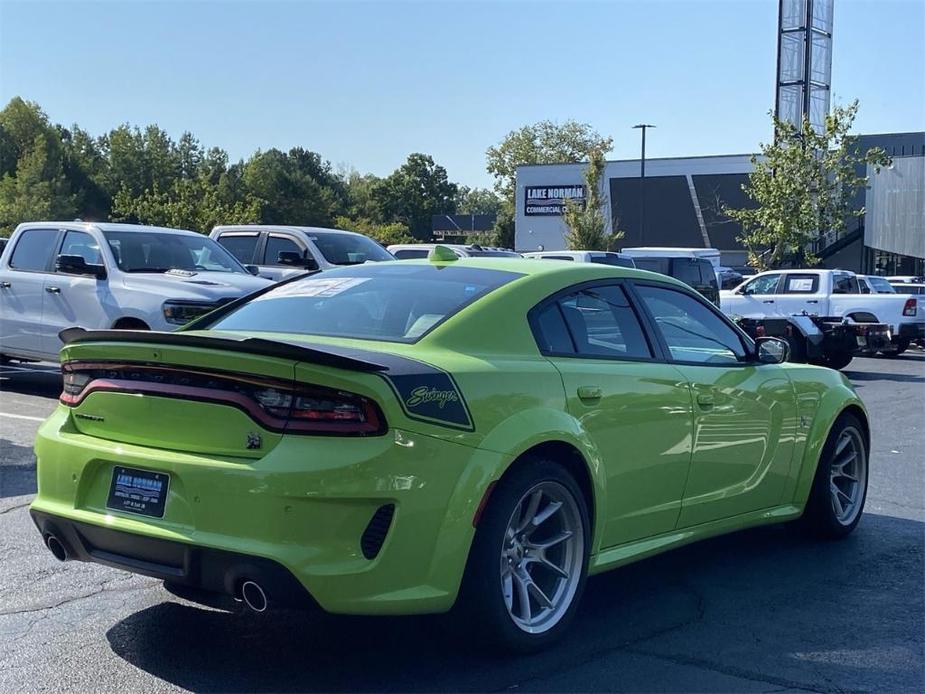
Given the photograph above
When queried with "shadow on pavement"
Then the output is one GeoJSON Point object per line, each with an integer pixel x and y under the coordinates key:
{"type": "Point", "coordinates": [881, 376]}
{"type": "Point", "coordinates": [43, 381]}
{"type": "Point", "coordinates": [16, 479]}
{"type": "Point", "coordinates": [761, 609]}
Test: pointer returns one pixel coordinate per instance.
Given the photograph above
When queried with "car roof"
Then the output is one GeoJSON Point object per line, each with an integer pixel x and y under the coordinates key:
{"type": "Point", "coordinates": [281, 227]}
{"type": "Point", "coordinates": [106, 226]}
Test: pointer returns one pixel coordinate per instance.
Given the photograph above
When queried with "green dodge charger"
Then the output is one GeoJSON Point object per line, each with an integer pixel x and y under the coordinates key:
{"type": "Point", "coordinates": [411, 437]}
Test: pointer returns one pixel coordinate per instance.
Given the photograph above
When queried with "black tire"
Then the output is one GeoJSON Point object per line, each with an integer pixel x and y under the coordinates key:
{"type": "Point", "coordinates": [481, 606]}
{"type": "Point", "coordinates": [835, 360]}
{"type": "Point", "coordinates": [130, 324]}
{"type": "Point", "coordinates": [820, 516]}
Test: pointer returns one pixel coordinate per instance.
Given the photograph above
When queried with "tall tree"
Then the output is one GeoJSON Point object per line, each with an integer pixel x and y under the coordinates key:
{"type": "Point", "coordinates": [545, 142]}
{"type": "Point", "coordinates": [586, 222]}
{"type": "Point", "coordinates": [477, 201]}
{"type": "Point", "coordinates": [38, 190]}
{"type": "Point", "coordinates": [804, 185]}
{"type": "Point", "coordinates": [297, 187]}
{"type": "Point", "coordinates": [415, 192]}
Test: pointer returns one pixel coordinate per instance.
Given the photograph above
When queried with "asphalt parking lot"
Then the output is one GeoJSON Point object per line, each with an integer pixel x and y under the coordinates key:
{"type": "Point", "coordinates": [760, 611]}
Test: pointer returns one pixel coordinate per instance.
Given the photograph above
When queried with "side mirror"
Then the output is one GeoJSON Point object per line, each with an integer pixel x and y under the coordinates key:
{"type": "Point", "coordinates": [77, 265]}
{"type": "Point", "coordinates": [772, 350]}
{"type": "Point", "coordinates": [253, 269]}
{"type": "Point", "coordinates": [295, 259]}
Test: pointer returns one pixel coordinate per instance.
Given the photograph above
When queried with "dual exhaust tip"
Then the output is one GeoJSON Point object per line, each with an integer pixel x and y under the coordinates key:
{"type": "Point", "coordinates": [252, 593]}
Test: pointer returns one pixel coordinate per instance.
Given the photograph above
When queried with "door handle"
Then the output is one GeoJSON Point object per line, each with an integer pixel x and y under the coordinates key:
{"type": "Point", "coordinates": [590, 392]}
{"type": "Point", "coordinates": [5, 285]}
{"type": "Point", "coordinates": [768, 301]}
{"type": "Point", "coordinates": [53, 290]}
{"type": "Point", "coordinates": [705, 400]}
{"type": "Point", "coordinates": [812, 301]}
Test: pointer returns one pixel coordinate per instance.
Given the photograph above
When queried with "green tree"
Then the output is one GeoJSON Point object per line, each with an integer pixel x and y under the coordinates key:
{"type": "Point", "coordinates": [37, 190]}
{"type": "Point", "coordinates": [297, 187]}
{"type": "Point", "coordinates": [415, 192]}
{"type": "Point", "coordinates": [477, 201]}
{"type": "Point", "coordinates": [587, 223]}
{"type": "Point", "coordinates": [545, 142]}
{"type": "Point", "coordinates": [804, 185]}
{"type": "Point", "coordinates": [386, 234]}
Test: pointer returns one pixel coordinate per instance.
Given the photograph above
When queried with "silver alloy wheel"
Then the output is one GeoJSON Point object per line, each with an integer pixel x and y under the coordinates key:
{"type": "Point", "coordinates": [542, 557]}
{"type": "Point", "coordinates": [848, 475]}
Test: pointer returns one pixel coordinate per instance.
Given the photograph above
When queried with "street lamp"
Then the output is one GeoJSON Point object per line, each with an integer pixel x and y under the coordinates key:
{"type": "Point", "coordinates": [642, 181]}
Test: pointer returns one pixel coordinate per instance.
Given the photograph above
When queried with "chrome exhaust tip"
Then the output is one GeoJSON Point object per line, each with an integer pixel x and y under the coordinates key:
{"type": "Point", "coordinates": [57, 548]}
{"type": "Point", "coordinates": [254, 596]}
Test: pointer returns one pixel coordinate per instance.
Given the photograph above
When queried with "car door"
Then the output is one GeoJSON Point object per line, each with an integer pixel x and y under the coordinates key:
{"type": "Point", "coordinates": [634, 408]}
{"type": "Point", "coordinates": [77, 300]}
{"type": "Point", "coordinates": [757, 298]}
{"type": "Point", "coordinates": [276, 243]}
{"type": "Point", "coordinates": [799, 292]}
{"type": "Point", "coordinates": [22, 293]}
{"type": "Point", "coordinates": [744, 411]}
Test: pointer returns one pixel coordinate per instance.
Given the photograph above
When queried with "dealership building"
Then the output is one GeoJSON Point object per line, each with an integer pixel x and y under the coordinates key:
{"type": "Point", "coordinates": [684, 199]}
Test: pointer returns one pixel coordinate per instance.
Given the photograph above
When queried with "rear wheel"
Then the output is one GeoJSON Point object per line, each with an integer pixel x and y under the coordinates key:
{"type": "Point", "coordinates": [529, 559]}
{"type": "Point", "coordinates": [130, 324]}
{"type": "Point", "coordinates": [839, 491]}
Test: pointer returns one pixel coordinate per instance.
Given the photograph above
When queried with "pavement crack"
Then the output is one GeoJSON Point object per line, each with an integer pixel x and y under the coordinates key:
{"type": "Point", "coordinates": [76, 598]}
{"type": "Point", "coordinates": [15, 506]}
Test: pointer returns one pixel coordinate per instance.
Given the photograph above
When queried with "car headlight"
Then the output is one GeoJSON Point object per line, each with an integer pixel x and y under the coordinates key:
{"type": "Point", "coordinates": [182, 312]}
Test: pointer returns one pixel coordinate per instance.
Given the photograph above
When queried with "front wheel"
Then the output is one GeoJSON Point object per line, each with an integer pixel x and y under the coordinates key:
{"type": "Point", "coordinates": [529, 559]}
{"type": "Point", "coordinates": [839, 490]}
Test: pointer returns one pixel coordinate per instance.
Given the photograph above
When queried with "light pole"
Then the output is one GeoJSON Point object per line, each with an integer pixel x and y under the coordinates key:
{"type": "Point", "coordinates": [642, 182]}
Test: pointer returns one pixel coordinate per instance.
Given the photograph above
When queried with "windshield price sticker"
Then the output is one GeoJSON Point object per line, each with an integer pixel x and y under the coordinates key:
{"type": "Point", "coordinates": [320, 288]}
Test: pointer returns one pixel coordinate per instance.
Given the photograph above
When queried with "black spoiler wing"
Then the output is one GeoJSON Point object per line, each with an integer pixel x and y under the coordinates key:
{"type": "Point", "coordinates": [324, 355]}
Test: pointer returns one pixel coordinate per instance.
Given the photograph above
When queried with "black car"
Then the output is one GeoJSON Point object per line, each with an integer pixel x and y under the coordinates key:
{"type": "Point", "coordinates": [697, 272]}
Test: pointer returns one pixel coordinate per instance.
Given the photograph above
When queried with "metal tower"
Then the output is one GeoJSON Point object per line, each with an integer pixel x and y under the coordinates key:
{"type": "Point", "coordinates": [804, 61]}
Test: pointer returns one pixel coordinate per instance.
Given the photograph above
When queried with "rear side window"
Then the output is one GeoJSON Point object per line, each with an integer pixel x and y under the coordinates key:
{"type": "Point", "coordinates": [277, 245]}
{"type": "Point", "coordinates": [845, 284]}
{"type": "Point", "coordinates": [34, 249]}
{"type": "Point", "coordinates": [397, 302]}
{"type": "Point", "coordinates": [801, 284]}
{"type": "Point", "coordinates": [241, 246]}
{"type": "Point", "coordinates": [600, 323]}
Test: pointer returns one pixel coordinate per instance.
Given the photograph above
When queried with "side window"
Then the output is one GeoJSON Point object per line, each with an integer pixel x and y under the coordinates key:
{"type": "Point", "coordinates": [277, 244]}
{"type": "Point", "coordinates": [801, 284]}
{"type": "Point", "coordinates": [708, 274]}
{"type": "Point", "coordinates": [694, 333]}
{"type": "Point", "coordinates": [550, 331]}
{"type": "Point", "coordinates": [845, 284]}
{"type": "Point", "coordinates": [686, 270]}
{"type": "Point", "coordinates": [602, 323]}
{"type": "Point", "coordinates": [408, 253]}
{"type": "Point", "coordinates": [766, 284]}
{"type": "Point", "coordinates": [557, 257]}
{"type": "Point", "coordinates": [82, 244]}
{"type": "Point", "coordinates": [34, 249]}
{"type": "Point", "coordinates": [241, 246]}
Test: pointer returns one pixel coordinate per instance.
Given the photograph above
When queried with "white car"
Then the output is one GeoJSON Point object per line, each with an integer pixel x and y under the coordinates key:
{"type": "Point", "coordinates": [405, 251]}
{"type": "Point", "coordinates": [875, 284]}
{"type": "Point", "coordinates": [279, 252]}
{"type": "Point", "coordinates": [831, 294]}
{"type": "Point", "coordinates": [57, 275]}
{"type": "Point", "coordinates": [600, 257]}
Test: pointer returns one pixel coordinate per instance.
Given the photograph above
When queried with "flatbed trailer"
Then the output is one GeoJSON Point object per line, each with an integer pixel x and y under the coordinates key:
{"type": "Point", "coordinates": [831, 342]}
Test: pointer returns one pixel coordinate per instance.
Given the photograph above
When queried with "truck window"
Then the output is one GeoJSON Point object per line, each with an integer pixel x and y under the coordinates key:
{"type": "Point", "coordinates": [557, 257]}
{"type": "Point", "coordinates": [801, 284]}
{"type": "Point", "coordinates": [653, 264]}
{"type": "Point", "coordinates": [687, 270]}
{"type": "Point", "coordinates": [34, 249]}
{"type": "Point", "coordinates": [276, 245]}
{"type": "Point", "coordinates": [766, 284]}
{"type": "Point", "coordinates": [241, 246]}
{"type": "Point", "coordinates": [843, 283]}
{"type": "Point", "coordinates": [707, 273]}
{"type": "Point", "coordinates": [408, 253]}
{"type": "Point", "coordinates": [82, 244]}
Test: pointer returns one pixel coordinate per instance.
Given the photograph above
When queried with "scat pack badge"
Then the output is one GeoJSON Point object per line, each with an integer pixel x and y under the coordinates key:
{"type": "Point", "coordinates": [427, 394]}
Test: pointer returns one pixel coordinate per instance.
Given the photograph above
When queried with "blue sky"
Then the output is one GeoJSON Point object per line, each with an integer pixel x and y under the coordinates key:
{"type": "Point", "coordinates": [365, 84]}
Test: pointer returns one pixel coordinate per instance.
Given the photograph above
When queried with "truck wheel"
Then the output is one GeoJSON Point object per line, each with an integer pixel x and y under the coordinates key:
{"type": "Point", "coordinates": [529, 560]}
{"type": "Point", "coordinates": [834, 360]}
{"type": "Point", "coordinates": [836, 500]}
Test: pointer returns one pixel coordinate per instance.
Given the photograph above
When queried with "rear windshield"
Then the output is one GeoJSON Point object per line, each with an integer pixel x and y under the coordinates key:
{"type": "Point", "coordinates": [348, 249]}
{"type": "Point", "coordinates": [396, 302]}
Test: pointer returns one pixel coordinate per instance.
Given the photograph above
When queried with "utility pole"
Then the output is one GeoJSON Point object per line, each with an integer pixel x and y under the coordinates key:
{"type": "Point", "coordinates": [642, 181]}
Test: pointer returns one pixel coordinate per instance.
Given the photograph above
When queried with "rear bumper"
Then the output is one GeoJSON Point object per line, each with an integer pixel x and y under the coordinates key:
{"type": "Point", "coordinates": [199, 568]}
{"type": "Point", "coordinates": [303, 511]}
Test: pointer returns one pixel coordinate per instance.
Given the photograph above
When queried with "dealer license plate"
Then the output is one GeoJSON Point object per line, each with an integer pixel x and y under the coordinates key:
{"type": "Point", "coordinates": [138, 491]}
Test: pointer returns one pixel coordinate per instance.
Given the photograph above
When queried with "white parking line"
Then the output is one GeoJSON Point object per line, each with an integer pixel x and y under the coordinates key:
{"type": "Point", "coordinates": [23, 416]}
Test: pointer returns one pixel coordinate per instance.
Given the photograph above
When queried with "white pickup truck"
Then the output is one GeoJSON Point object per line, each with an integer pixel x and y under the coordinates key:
{"type": "Point", "coordinates": [57, 275]}
{"type": "Point", "coordinates": [829, 294]}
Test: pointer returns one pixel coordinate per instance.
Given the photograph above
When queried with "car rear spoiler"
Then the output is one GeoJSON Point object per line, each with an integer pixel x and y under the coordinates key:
{"type": "Point", "coordinates": [324, 355]}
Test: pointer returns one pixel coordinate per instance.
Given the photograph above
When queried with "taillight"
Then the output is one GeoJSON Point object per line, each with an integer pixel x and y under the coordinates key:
{"type": "Point", "coordinates": [74, 383]}
{"type": "Point", "coordinates": [321, 411]}
{"type": "Point", "coordinates": [910, 308]}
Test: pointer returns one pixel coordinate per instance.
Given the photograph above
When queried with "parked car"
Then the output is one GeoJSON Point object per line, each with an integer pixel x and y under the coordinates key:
{"type": "Point", "coordinates": [600, 257]}
{"type": "Point", "coordinates": [875, 284]}
{"type": "Point", "coordinates": [280, 252]}
{"type": "Point", "coordinates": [728, 277]}
{"type": "Point", "coordinates": [3, 242]}
{"type": "Point", "coordinates": [693, 266]}
{"type": "Point", "coordinates": [408, 251]}
{"type": "Point", "coordinates": [909, 287]}
{"type": "Point", "coordinates": [57, 275]}
{"type": "Point", "coordinates": [906, 279]}
{"type": "Point", "coordinates": [831, 294]}
{"type": "Point", "coordinates": [496, 430]}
